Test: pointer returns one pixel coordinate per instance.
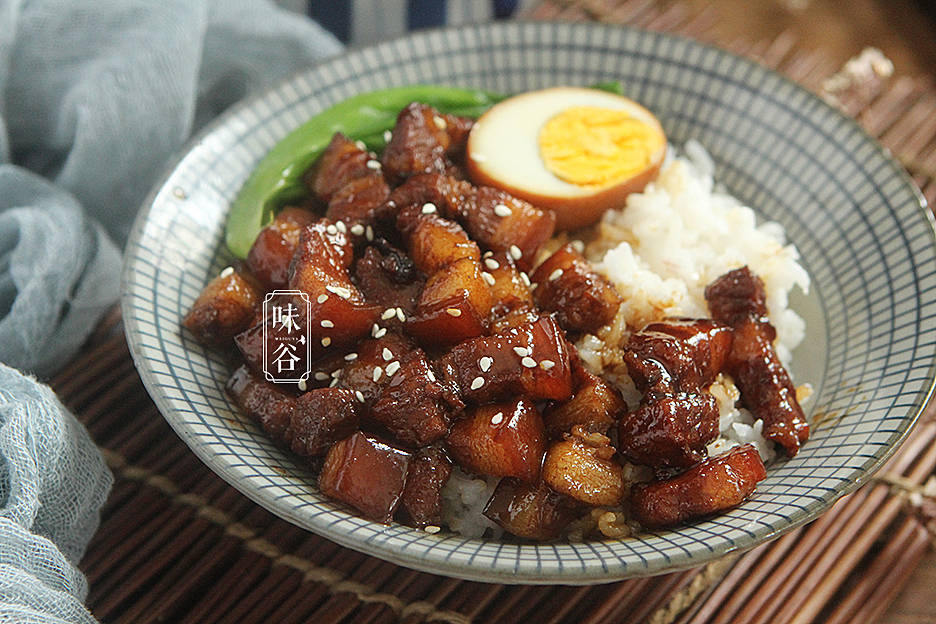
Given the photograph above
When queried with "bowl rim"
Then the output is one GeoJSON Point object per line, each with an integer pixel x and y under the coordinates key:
{"type": "Point", "coordinates": [595, 574]}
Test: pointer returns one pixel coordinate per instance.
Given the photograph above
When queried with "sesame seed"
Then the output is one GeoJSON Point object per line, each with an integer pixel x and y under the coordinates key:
{"type": "Point", "coordinates": [326, 341]}
{"type": "Point", "coordinates": [389, 313]}
{"type": "Point", "coordinates": [387, 354]}
{"type": "Point", "coordinates": [477, 383]}
{"type": "Point", "coordinates": [357, 229]}
{"type": "Point", "coordinates": [485, 363]}
{"type": "Point", "coordinates": [547, 364]}
{"type": "Point", "coordinates": [487, 254]}
{"type": "Point", "coordinates": [439, 122]}
{"type": "Point", "coordinates": [528, 362]}
{"type": "Point", "coordinates": [326, 323]}
{"type": "Point", "coordinates": [578, 246]}
{"type": "Point", "coordinates": [380, 333]}
{"type": "Point", "coordinates": [360, 397]}
{"type": "Point", "coordinates": [227, 272]}
{"type": "Point", "coordinates": [400, 315]}
{"type": "Point", "coordinates": [387, 135]}
{"type": "Point", "coordinates": [341, 291]}
{"type": "Point", "coordinates": [487, 277]}
{"type": "Point", "coordinates": [522, 351]}
{"type": "Point", "coordinates": [497, 418]}
{"type": "Point", "coordinates": [555, 275]}
{"type": "Point", "coordinates": [360, 145]}
{"type": "Point", "coordinates": [341, 227]}
{"type": "Point", "coordinates": [331, 229]}
{"type": "Point", "coordinates": [334, 382]}
{"type": "Point", "coordinates": [302, 385]}
{"type": "Point", "coordinates": [322, 298]}
{"type": "Point", "coordinates": [491, 263]}
{"type": "Point", "coordinates": [502, 210]}
{"type": "Point", "coordinates": [374, 329]}
{"type": "Point", "coordinates": [430, 375]}
{"type": "Point", "coordinates": [369, 233]}
{"type": "Point", "coordinates": [392, 367]}
{"type": "Point", "coordinates": [515, 252]}
{"type": "Point", "coordinates": [373, 165]}
{"type": "Point", "coordinates": [336, 373]}
{"type": "Point", "coordinates": [350, 357]}
{"type": "Point", "coordinates": [431, 529]}
{"type": "Point", "coordinates": [428, 208]}
{"type": "Point", "coordinates": [377, 373]}
{"type": "Point", "coordinates": [321, 376]}
{"type": "Point", "coordinates": [453, 312]}
{"type": "Point", "coordinates": [525, 278]}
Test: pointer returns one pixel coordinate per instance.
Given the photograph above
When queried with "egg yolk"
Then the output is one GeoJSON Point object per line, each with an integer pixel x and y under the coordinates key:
{"type": "Point", "coordinates": [593, 146]}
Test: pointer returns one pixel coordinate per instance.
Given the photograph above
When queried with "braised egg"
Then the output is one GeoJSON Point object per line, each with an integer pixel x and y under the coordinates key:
{"type": "Point", "coordinates": [572, 150]}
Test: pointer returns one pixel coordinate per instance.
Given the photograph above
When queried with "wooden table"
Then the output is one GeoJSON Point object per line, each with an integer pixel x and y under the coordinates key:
{"type": "Point", "coordinates": [177, 544]}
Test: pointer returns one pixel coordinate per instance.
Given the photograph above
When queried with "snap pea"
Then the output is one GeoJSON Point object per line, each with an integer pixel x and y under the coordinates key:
{"type": "Point", "coordinates": [277, 180]}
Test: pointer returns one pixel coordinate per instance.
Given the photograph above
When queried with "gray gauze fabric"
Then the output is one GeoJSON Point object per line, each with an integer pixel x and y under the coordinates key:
{"type": "Point", "coordinates": [95, 99]}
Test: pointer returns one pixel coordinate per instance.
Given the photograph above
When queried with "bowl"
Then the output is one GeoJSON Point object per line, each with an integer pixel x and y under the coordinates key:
{"type": "Point", "coordinates": [862, 229]}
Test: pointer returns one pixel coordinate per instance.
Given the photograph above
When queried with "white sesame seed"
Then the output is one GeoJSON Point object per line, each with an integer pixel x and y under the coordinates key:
{"type": "Point", "coordinates": [387, 354]}
{"type": "Point", "coordinates": [392, 367]}
{"type": "Point", "coordinates": [373, 165]}
{"type": "Point", "coordinates": [497, 418]}
{"type": "Point", "coordinates": [428, 208]}
{"type": "Point", "coordinates": [387, 135]}
{"type": "Point", "coordinates": [374, 330]}
{"type": "Point", "coordinates": [360, 145]}
{"type": "Point", "coordinates": [321, 376]}
{"type": "Point", "coordinates": [341, 227]}
{"type": "Point", "coordinates": [547, 364]}
{"type": "Point", "coordinates": [350, 357]}
{"type": "Point", "coordinates": [389, 313]}
{"type": "Point", "coordinates": [487, 254]}
{"type": "Point", "coordinates": [439, 122]}
{"type": "Point", "coordinates": [302, 385]}
{"type": "Point", "coordinates": [326, 341]}
{"type": "Point", "coordinates": [555, 275]}
{"type": "Point", "coordinates": [453, 312]}
{"type": "Point", "coordinates": [380, 333]}
{"type": "Point", "coordinates": [485, 363]}
{"type": "Point", "coordinates": [491, 263]}
{"type": "Point", "coordinates": [502, 210]}
{"type": "Point", "coordinates": [322, 298]}
{"type": "Point", "coordinates": [431, 529]}
{"type": "Point", "coordinates": [522, 351]}
{"type": "Point", "coordinates": [357, 229]}
{"type": "Point", "coordinates": [326, 323]}
{"type": "Point", "coordinates": [227, 272]}
{"type": "Point", "coordinates": [341, 291]}
{"type": "Point", "coordinates": [334, 382]}
{"type": "Point", "coordinates": [360, 397]}
{"type": "Point", "coordinates": [528, 362]}
{"type": "Point", "coordinates": [331, 229]}
{"type": "Point", "coordinates": [369, 233]}
{"type": "Point", "coordinates": [400, 315]}
{"type": "Point", "coordinates": [578, 246]}
{"type": "Point", "coordinates": [378, 371]}
{"type": "Point", "coordinates": [487, 277]}
{"type": "Point", "coordinates": [430, 375]}
{"type": "Point", "coordinates": [336, 373]}
{"type": "Point", "coordinates": [525, 278]}
{"type": "Point", "coordinates": [477, 383]}
{"type": "Point", "coordinates": [515, 252]}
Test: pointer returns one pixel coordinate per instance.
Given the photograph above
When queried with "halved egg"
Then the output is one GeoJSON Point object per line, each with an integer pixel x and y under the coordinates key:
{"type": "Point", "coordinates": [572, 150]}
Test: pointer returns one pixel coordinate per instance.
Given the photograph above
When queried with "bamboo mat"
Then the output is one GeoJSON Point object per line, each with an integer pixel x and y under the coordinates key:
{"type": "Point", "coordinates": [177, 544]}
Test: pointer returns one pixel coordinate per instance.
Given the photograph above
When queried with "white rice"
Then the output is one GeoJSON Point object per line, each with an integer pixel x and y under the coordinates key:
{"type": "Point", "coordinates": [672, 240]}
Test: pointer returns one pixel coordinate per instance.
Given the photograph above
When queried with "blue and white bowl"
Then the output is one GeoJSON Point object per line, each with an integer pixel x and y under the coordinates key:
{"type": "Point", "coordinates": [861, 227]}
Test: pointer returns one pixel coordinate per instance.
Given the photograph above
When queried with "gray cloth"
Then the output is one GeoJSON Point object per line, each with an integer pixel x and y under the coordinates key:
{"type": "Point", "coordinates": [95, 99]}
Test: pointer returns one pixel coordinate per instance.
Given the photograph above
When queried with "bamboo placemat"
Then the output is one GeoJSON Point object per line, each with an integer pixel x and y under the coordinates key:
{"type": "Point", "coordinates": [177, 544]}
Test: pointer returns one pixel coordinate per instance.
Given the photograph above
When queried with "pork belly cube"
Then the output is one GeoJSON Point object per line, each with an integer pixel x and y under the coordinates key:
{"type": "Point", "coordinates": [454, 305]}
{"type": "Point", "coordinates": [342, 162]}
{"type": "Point", "coordinates": [429, 471]}
{"type": "Point", "coordinates": [367, 474]}
{"type": "Point", "coordinates": [530, 510]}
{"type": "Point", "coordinates": [501, 440]}
{"type": "Point", "coordinates": [433, 241]}
{"type": "Point", "coordinates": [595, 406]}
{"type": "Point", "coordinates": [361, 201]}
{"type": "Point", "coordinates": [388, 278]}
{"type": "Point", "coordinates": [273, 249]}
{"type": "Point", "coordinates": [226, 306]}
{"type": "Point", "coordinates": [530, 360]}
{"type": "Point", "coordinates": [677, 354]}
{"type": "Point", "coordinates": [737, 295]}
{"type": "Point", "coordinates": [513, 300]}
{"type": "Point", "coordinates": [423, 141]}
{"type": "Point", "coordinates": [582, 300]}
{"type": "Point", "coordinates": [358, 374]}
{"type": "Point", "coordinates": [716, 485]}
{"type": "Point", "coordinates": [669, 431]}
{"type": "Point", "coordinates": [262, 401]}
{"type": "Point", "coordinates": [319, 418]}
{"type": "Point", "coordinates": [582, 467]}
{"type": "Point", "coordinates": [340, 314]}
